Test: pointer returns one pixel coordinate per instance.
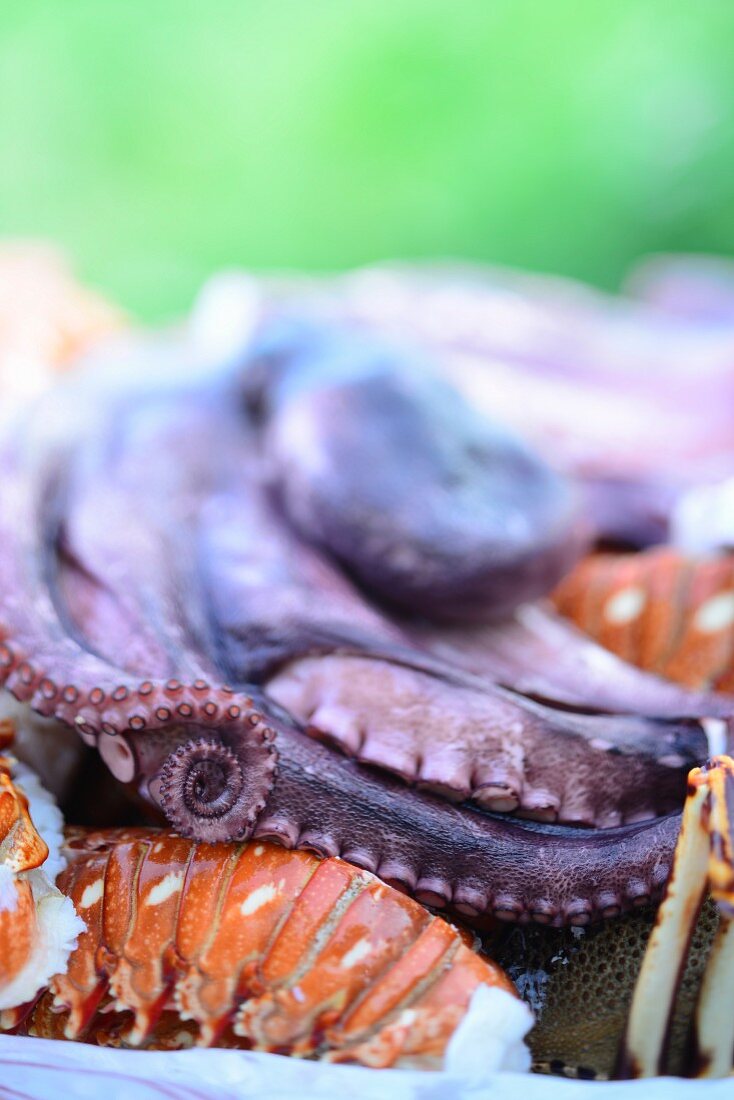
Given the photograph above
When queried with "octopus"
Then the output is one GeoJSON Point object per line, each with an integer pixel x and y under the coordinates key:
{"type": "Point", "coordinates": [48, 322]}
{"type": "Point", "coordinates": [291, 599]}
{"type": "Point", "coordinates": [633, 396]}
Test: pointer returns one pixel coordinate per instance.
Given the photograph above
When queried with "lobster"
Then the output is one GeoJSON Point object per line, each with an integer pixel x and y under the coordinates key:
{"type": "Point", "coordinates": [661, 610]}
{"type": "Point", "coordinates": [251, 946]}
{"type": "Point", "coordinates": [37, 924]}
{"type": "Point", "coordinates": [21, 850]}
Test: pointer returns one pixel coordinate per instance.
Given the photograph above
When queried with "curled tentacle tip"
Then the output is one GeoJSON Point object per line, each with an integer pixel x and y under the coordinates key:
{"type": "Point", "coordinates": [213, 792]}
{"type": "Point", "coordinates": [200, 780]}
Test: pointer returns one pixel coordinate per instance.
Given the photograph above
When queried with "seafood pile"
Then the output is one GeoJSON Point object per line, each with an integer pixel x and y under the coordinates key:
{"type": "Point", "coordinates": [388, 684]}
{"type": "Point", "coordinates": [161, 941]}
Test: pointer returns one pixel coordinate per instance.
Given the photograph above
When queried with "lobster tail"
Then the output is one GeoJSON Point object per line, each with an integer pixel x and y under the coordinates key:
{"type": "Point", "coordinates": [250, 945]}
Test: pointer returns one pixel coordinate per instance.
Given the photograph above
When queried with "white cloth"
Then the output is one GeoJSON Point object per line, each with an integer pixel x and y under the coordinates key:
{"type": "Point", "coordinates": [39, 1069]}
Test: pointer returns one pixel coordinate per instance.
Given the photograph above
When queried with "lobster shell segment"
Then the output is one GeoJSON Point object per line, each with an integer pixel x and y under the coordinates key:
{"type": "Point", "coordinates": [21, 846]}
{"type": "Point", "coordinates": [253, 946]}
{"type": "Point", "coordinates": [661, 610]}
{"type": "Point", "coordinates": [37, 925]}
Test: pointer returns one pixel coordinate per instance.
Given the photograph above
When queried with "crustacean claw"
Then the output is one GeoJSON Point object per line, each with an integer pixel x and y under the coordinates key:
{"type": "Point", "coordinates": [704, 860]}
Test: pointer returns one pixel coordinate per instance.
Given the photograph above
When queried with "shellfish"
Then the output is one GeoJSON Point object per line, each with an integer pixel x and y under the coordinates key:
{"type": "Point", "coordinates": [253, 946]}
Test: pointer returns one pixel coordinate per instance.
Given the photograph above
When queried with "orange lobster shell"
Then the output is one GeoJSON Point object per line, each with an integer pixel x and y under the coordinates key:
{"type": "Point", "coordinates": [253, 946]}
{"type": "Point", "coordinates": [21, 849]}
{"type": "Point", "coordinates": [660, 610]}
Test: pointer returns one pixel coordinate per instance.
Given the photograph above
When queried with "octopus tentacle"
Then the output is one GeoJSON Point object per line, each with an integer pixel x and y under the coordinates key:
{"type": "Point", "coordinates": [592, 365]}
{"type": "Point", "coordinates": [223, 801]}
{"type": "Point", "coordinates": [388, 695]}
{"type": "Point", "coordinates": [447, 856]}
{"type": "Point", "coordinates": [505, 752]}
{"type": "Point", "coordinates": [42, 665]}
{"type": "Point", "coordinates": [458, 857]}
{"type": "Point", "coordinates": [540, 654]}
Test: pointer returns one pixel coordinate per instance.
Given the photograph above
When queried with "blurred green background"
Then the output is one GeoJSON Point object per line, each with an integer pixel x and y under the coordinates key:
{"type": "Point", "coordinates": [161, 139]}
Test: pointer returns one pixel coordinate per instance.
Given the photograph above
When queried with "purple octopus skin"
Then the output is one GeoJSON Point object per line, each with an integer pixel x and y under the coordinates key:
{"type": "Point", "coordinates": [636, 404]}
{"type": "Point", "coordinates": [425, 502]}
{"type": "Point", "coordinates": [353, 677]}
{"type": "Point", "coordinates": [543, 656]}
{"type": "Point", "coordinates": [143, 562]}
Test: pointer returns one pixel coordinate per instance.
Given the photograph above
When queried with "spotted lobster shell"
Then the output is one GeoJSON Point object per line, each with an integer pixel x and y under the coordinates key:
{"type": "Point", "coordinates": [661, 610]}
{"type": "Point", "coordinates": [253, 946]}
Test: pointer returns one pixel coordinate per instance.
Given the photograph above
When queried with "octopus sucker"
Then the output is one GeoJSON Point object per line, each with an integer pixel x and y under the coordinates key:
{"type": "Point", "coordinates": [490, 747]}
